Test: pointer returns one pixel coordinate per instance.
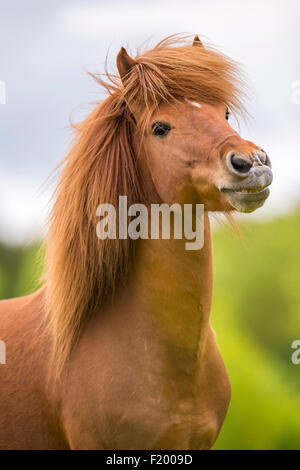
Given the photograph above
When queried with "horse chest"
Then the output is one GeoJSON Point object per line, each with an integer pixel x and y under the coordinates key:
{"type": "Point", "coordinates": [149, 406]}
{"type": "Point", "coordinates": [185, 413]}
{"type": "Point", "coordinates": [184, 423]}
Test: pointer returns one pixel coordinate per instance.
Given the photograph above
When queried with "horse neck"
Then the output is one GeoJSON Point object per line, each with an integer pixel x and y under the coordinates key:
{"type": "Point", "coordinates": [174, 288]}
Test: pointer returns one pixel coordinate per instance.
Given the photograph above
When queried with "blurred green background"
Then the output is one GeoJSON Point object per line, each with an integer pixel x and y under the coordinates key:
{"type": "Point", "coordinates": [256, 315]}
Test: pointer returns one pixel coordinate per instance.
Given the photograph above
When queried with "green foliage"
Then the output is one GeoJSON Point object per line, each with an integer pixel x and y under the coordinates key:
{"type": "Point", "coordinates": [20, 270]}
{"type": "Point", "coordinates": [256, 314]}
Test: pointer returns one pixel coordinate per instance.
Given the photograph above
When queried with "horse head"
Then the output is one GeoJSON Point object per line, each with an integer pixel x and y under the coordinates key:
{"type": "Point", "coordinates": [189, 141]}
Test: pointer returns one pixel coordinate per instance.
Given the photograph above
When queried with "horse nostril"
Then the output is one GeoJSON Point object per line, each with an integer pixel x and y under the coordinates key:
{"type": "Point", "coordinates": [262, 158]}
{"type": "Point", "coordinates": [239, 164]}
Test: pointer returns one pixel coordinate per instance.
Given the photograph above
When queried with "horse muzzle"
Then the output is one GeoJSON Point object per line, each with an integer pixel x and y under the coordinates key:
{"type": "Point", "coordinates": [254, 177]}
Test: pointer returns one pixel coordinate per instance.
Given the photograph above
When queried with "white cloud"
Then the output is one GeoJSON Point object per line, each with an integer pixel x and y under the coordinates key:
{"type": "Point", "coordinates": [23, 209]}
{"type": "Point", "coordinates": [48, 58]}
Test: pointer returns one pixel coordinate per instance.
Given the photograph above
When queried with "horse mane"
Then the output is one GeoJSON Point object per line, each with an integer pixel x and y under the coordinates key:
{"type": "Point", "coordinates": [82, 272]}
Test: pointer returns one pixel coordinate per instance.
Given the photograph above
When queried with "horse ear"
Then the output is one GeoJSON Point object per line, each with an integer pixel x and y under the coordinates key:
{"type": "Point", "coordinates": [197, 42]}
{"type": "Point", "coordinates": [124, 63]}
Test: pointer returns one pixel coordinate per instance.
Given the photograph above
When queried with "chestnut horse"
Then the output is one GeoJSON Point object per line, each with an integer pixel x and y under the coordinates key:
{"type": "Point", "coordinates": [116, 350]}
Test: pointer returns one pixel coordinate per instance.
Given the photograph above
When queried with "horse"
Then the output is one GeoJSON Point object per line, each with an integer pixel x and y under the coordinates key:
{"type": "Point", "coordinates": [116, 349]}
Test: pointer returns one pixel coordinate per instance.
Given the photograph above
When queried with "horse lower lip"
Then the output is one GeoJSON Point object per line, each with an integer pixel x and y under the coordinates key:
{"type": "Point", "coordinates": [247, 201]}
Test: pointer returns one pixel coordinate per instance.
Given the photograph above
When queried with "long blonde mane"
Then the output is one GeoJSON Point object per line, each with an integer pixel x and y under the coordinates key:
{"type": "Point", "coordinates": [83, 272]}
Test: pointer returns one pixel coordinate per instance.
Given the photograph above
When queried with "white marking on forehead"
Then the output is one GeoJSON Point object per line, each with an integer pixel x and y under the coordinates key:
{"type": "Point", "coordinates": [194, 103]}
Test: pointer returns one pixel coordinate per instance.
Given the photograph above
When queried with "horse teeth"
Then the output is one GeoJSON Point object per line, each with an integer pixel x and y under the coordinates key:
{"type": "Point", "coordinates": [250, 190]}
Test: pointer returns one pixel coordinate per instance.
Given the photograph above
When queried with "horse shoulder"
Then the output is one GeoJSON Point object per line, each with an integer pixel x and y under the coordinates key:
{"type": "Point", "coordinates": [25, 421]}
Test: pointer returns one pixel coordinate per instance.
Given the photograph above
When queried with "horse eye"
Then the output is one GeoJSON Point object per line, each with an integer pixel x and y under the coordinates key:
{"type": "Point", "coordinates": [227, 114]}
{"type": "Point", "coordinates": [161, 129]}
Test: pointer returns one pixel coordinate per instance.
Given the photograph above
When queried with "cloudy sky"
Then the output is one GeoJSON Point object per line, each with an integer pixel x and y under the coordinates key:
{"type": "Point", "coordinates": [47, 47]}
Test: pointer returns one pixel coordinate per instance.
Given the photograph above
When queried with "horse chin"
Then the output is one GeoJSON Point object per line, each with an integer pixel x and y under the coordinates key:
{"type": "Point", "coordinates": [246, 201]}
